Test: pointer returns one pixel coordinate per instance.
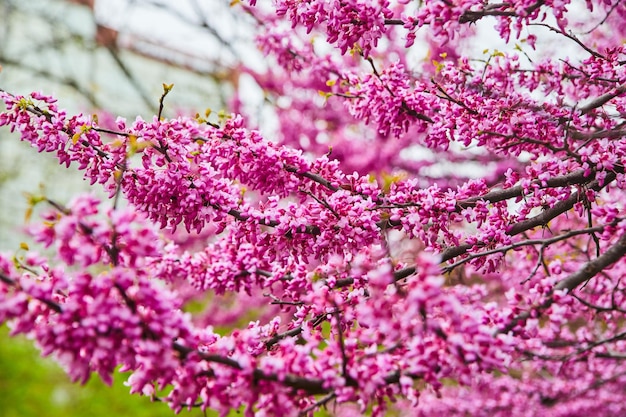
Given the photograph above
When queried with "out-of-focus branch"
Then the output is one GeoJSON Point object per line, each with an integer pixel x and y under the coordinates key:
{"type": "Point", "coordinates": [67, 81]}
{"type": "Point", "coordinates": [145, 97]}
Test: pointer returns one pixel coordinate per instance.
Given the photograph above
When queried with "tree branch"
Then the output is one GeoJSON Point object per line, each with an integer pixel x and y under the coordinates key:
{"type": "Point", "coordinates": [588, 271]}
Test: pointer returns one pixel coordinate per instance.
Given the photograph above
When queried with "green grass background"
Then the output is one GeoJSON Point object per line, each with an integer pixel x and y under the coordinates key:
{"type": "Point", "coordinates": [32, 386]}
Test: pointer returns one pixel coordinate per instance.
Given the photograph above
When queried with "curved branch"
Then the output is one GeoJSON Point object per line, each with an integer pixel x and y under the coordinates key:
{"type": "Point", "coordinates": [588, 271]}
{"type": "Point", "coordinates": [573, 178]}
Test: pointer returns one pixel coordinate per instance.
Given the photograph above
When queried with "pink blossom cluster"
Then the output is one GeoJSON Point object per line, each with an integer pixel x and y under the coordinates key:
{"type": "Point", "coordinates": [355, 278]}
{"type": "Point", "coordinates": [349, 24]}
{"type": "Point", "coordinates": [93, 322]}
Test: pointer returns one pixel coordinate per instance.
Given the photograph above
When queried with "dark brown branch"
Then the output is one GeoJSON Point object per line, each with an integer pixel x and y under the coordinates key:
{"type": "Point", "coordinates": [471, 16]}
{"type": "Point", "coordinates": [166, 90]}
{"type": "Point", "coordinates": [278, 301]}
{"type": "Point", "coordinates": [612, 255]}
{"type": "Point", "coordinates": [574, 178]}
{"type": "Point", "coordinates": [561, 207]}
{"type": "Point", "coordinates": [602, 100]}
{"type": "Point", "coordinates": [313, 177]}
{"type": "Point", "coordinates": [530, 242]}
{"type": "Point", "coordinates": [318, 404]}
{"type": "Point", "coordinates": [602, 134]}
{"type": "Point", "coordinates": [588, 271]}
{"type": "Point", "coordinates": [56, 307]}
{"type": "Point", "coordinates": [312, 386]}
{"type": "Point", "coordinates": [569, 36]}
{"type": "Point", "coordinates": [280, 336]}
{"type": "Point", "coordinates": [309, 229]}
{"type": "Point", "coordinates": [541, 219]}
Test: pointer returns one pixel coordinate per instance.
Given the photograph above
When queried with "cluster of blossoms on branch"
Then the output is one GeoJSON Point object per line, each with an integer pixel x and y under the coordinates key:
{"type": "Point", "coordinates": [356, 278]}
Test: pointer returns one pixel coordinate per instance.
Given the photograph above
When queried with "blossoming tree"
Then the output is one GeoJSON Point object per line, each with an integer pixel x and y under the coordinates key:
{"type": "Point", "coordinates": [340, 270]}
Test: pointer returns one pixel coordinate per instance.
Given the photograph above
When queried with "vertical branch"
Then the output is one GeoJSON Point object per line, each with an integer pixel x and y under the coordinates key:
{"type": "Point", "coordinates": [166, 90]}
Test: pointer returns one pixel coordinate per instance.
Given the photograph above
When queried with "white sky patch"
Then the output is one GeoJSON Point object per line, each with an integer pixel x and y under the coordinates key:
{"type": "Point", "coordinates": [182, 28]}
